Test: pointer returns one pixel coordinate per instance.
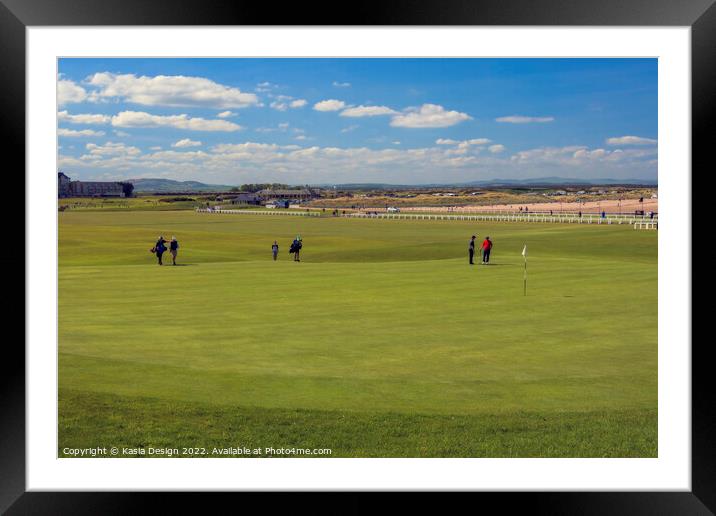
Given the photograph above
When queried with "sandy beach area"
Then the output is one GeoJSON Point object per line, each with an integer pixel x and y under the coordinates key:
{"type": "Point", "coordinates": [625, 206]}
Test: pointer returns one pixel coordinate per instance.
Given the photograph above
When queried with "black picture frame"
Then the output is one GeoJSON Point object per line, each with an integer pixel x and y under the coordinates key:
{"type": "Point", "coordinates": [16, 15]}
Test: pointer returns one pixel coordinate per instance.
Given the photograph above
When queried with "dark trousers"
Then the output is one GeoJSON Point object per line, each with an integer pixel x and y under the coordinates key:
{"type": "Point", "coordinates": [486, 255]}
{"type": "Point", "coordinates": [275, 254]}
{"type": "Point", "coordinates": [472, 253]}
{"type": "Point", "coordinates": [159, 256]}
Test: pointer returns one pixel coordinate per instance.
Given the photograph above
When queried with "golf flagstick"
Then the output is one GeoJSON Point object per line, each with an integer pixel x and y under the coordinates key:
{"type": "Point", "coordinates": [524, 253]}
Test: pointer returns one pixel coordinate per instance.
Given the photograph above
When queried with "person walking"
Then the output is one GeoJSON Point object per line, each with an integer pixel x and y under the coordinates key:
{"type": "Point", "coordinates": [296, 249]}
{"type": "Point", "coordinates": [174, 249]}
{"type": "Point", "coordinates": [274, 250]}
{"type": "Point", "coordinates": [471, 249]}
{"type": "Point", "coordinates": [299, 245]}
{"type": "Point", "coordinates": [159, 248]}
{"type": "Point", "coordinates": [486, 248]}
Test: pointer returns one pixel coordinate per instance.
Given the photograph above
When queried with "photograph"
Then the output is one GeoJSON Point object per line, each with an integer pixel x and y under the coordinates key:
{"type": "Point", "coordinates": [357, 257]}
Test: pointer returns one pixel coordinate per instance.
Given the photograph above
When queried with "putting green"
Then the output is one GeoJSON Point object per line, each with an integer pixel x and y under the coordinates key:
{"type": "Point", "coordinates": [382, 341]}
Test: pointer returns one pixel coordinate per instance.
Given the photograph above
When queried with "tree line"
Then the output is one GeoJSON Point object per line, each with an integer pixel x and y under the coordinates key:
{"type": "Point", "coordinates": [255, 187]}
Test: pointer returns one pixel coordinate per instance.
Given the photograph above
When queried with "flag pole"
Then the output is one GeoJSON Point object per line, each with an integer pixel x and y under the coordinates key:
{"type": "Point", "coordinates": [524, 253]}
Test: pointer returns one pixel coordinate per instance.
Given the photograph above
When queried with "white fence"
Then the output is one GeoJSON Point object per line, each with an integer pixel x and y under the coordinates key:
{"type": "Point", "coordinates": [637, 222]}
{"type": "Point", "coordinates": [509, 217]}
{"type": "Point", "coordinates": [643, 224]}
{"type": "Point", "coordinates": [276, 211]}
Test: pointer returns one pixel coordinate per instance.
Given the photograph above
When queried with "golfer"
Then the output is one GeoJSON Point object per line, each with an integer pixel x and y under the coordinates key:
{"type": "Point", "coordinates": [174, 249]}
{"type": "Point", "coordinates": [471, 249]}
{"type": "Point", "coordinates": [296, 249]}
{"type": "Point", "coordinates": [486, 248]}
{"type": "Point", "coordinates": [159, 248]}
{"type": "Point", "coordinates": [274, 250]}
{"type": "Point", "coordinates": [299, 245]}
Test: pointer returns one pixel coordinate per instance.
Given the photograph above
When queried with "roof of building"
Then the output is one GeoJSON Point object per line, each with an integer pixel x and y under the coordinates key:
{"type": "Point", "coordinates": [243, 196]}
{"type": "Point", "coordinates": [293, 191]}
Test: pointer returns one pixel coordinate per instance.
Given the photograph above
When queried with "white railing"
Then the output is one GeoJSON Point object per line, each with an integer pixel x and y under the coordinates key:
{"type": "Point", "coordinates": [276, 211]}
{"type": "Point", "coordinates": [643, 224]}
{"type": "Point", "coordinates": [636, 221]}
{"type": "Point", "coordinates": [508, 217]}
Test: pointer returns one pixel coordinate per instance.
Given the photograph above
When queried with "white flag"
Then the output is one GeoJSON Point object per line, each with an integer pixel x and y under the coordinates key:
{"type": "Point", "coordinates": [524, 251]}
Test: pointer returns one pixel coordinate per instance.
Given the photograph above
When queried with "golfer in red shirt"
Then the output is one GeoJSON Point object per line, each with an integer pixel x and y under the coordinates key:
{"type": "Point", "coordinates": [486, 248]}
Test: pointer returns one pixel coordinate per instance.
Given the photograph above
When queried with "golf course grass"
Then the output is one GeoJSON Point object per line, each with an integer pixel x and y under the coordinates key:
{"type": "Point", "coordinates": [381, 342]}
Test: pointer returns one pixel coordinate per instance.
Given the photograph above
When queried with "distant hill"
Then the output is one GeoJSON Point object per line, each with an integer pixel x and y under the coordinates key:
{"type": "Point", "coordinates": [170, 186]}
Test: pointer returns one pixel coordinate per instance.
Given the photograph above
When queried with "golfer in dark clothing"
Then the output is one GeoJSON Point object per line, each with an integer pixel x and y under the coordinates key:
{"type": "Point", "coordinates": [471, 249]}
{"type": "Point", "coordinates": [486, 248]}
{"type": "Point", "coordinates": [274, 250]}
{"type": "Point", "coordinates": [159, 248]}
{"type": "Point", "coordinates": [296, 249]}
{"type": "Point", "coordinates": [174, 249]}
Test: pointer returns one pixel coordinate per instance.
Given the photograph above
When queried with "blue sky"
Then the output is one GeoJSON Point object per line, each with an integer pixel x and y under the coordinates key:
{"type": "Point", "coordinates": [297, 121]}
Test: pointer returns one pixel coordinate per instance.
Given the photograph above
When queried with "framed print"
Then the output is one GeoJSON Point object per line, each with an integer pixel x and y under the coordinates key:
{"type": "Point", "coordinates": [435, 249]}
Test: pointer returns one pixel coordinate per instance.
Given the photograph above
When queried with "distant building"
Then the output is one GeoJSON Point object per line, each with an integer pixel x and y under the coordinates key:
{"type": "Point", "coordinates": [245, 198]}
{"type": "Point", "coordinates": [63, 185]}
{"type": "Point", "coordinates": [302, 194]}
{"type": "Point", "coordinates": [68, 188]}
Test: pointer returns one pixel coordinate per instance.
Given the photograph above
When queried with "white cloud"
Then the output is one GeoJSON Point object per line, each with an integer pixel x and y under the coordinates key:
{"type": "Point", "coordinates": [142, 119]}
{"type": "Point", "coordinates": [170, 90]}
{"type": "Point", "coordinates": [463, 143]}
{"type": "Point", "coordinates": [329, 105]}
{"type": "Point", "coordinates": [83, 118]}
{"type": "Point", "coordinates": [361, 111]}
{"type": "Point", "coordinates": [519, 119]}
{"type": "Point", "coordinates": [496, 149]}
{"type": "Point", "coordinates": [78, 134]}
{"type": "Point", "coordinates": [174, 156]}
{"type": "Point", "coordinates": [279, 106]}
{"type": "Point", "coordinates": [262, 162]}
{"type": "Point", "coordinates": [578, 156]}
{"type": "Point", "coordinates": [232, 148]}
{"type": "Point", "coordinates": [282, 103]}
{"type": "Point", "coordinates": [110, 149]}
{"type": "Point", "coordinates": [69, 93]}
{"type": "Point", "coordinates": [265, 86]}
{"type": "Point", "coordinates": [478, 141]}
{"type": "Point", "coordinates": [226, 114]}
{"type": "Point", "coordinates": [428, 115]}
{"type": "Point", "coordinates": [341, 84]}
{"type": "Point", "coordinates": [584, 153]}
{"type": "Point", "coordinates": [630, 140]}
{"type": "Point", "coordinates": [349, 128]}
{"type": "Point", "coordinates": [186, 142]}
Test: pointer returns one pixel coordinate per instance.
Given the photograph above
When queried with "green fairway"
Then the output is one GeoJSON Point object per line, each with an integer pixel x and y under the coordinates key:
{"type": "Point", "coordinates": [382, 341]}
